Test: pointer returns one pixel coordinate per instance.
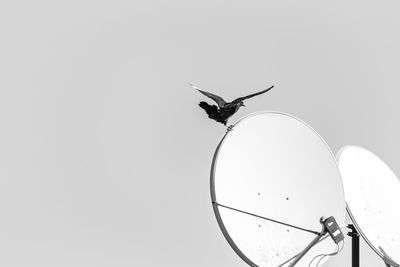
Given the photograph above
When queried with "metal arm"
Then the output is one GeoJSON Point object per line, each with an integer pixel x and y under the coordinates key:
{"type": "Point", "coordinates": [313, 243]}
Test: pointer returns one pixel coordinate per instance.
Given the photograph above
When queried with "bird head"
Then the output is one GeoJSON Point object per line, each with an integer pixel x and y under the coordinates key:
{"type": "Point", "coordinates": [241, 104]}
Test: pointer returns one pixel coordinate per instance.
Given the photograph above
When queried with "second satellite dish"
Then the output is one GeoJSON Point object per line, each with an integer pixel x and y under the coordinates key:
{"type": "Point", "coordinates": [272, 179]}
{"type": "Point", "coordinates": [372, 193]}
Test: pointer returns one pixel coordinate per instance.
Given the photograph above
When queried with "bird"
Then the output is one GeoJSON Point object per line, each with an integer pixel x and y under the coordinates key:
{"type": "Point", "coordinates": [224, 110]}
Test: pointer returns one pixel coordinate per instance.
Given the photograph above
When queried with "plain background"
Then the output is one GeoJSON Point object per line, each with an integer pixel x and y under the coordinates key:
{"type": "Point", "coordinates": [104, 153]}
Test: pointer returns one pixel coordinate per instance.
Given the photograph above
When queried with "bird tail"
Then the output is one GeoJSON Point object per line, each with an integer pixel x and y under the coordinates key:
{"type": "Point", "coordinates": [210, 109]}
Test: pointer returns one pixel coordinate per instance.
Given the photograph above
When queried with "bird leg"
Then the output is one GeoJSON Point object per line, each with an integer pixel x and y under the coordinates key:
{"type": "Point", "coordinates": [229, 128]}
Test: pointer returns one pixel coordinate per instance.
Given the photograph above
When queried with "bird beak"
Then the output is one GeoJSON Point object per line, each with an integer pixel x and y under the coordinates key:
{"type": "Point", "coordinates": [243, 105]}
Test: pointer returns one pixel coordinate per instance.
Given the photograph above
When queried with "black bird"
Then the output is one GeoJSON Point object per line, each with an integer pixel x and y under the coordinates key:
{"type": "Point", "coordinates": [224, 110]}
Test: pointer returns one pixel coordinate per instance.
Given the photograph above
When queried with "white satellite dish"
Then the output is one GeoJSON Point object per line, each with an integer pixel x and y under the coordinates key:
{"type": "Point", "coordinates": [272, 179]}
{"type": "Point", "coordinates": [372, 194]}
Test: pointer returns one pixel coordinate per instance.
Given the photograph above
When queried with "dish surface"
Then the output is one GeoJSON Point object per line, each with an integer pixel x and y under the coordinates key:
{"type": "Point", "coordinates": [274, 165]}
{"type": "Point", "coordinates": [372, 194]}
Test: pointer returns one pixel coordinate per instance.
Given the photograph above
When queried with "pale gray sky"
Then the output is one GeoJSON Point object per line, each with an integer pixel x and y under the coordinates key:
{"type": "Point", "coordinates": [104, 153]}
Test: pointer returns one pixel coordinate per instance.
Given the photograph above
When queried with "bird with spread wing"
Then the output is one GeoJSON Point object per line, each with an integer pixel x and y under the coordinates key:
{"type": "Point", "coordinates": [224, 110]}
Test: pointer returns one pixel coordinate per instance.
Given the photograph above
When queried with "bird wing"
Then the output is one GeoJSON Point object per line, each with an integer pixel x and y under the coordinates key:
{"type": "Point", "coordinates": [219, 100]}
{"type": "Point", "coordinates": [252, 95]}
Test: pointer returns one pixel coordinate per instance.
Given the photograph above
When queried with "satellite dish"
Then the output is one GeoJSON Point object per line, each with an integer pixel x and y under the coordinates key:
{"type": "Point", "coordinates": [272, 179]}
{"type": "Point", "coordinates": [372, 193]}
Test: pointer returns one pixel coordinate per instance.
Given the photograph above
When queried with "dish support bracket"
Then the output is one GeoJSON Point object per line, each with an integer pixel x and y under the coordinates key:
{"type": "Point", "coordinates": [355, 246]}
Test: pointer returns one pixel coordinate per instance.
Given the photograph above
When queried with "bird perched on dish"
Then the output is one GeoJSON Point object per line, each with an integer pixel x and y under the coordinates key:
{"type": "Point", "coordinates": [224, 110]}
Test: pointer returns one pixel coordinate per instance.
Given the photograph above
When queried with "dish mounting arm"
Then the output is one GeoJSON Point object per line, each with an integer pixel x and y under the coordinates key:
{"type": "Point", "coordinates": [312, 243]}
{"type": "Point", "coordinates": [330, 226]}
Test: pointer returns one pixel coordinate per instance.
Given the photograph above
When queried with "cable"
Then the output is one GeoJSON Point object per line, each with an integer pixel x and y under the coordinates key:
{"type": "Point", "coordinates": [334, 253]}
{"type": "Point", "coordinates": [331, 254]}
{"type": "Point", "coordinates": [339, 249]}
{"type": "Point", "coordinates": [322, 239]}
{"type": "Point", "coordinates": [321, 255]}
{"type": "Point", "coordinates": [295, 256]}
{"type": "Point", "coordinates": [327, 255]}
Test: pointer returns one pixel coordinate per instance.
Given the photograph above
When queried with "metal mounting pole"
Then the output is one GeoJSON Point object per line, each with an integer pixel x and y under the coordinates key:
{"type": "Point", "coordinates": [355, 246]}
